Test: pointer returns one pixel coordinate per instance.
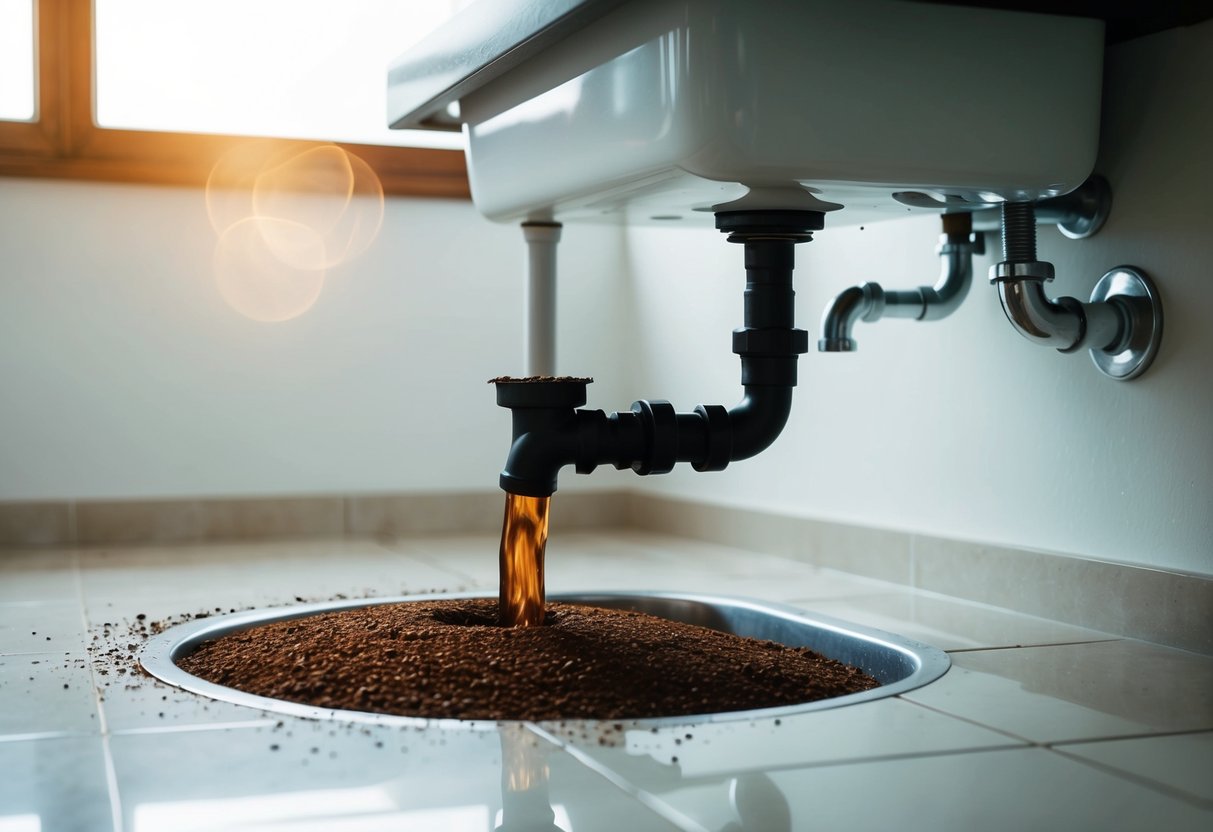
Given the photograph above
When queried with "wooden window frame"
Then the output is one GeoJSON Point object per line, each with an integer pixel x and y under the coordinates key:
{"type": "Point", "coordinates": [65, 142]}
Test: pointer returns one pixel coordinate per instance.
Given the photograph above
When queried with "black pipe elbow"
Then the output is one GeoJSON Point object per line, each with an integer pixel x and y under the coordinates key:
{"type": "Point", "coordinates": [758, 419]}
{"type": "Point", "coordinates": [535, 459]}
{"type": "Point", "coordinates": [549, 431]}
{"type": "Point", "coordinates": [544, 431]}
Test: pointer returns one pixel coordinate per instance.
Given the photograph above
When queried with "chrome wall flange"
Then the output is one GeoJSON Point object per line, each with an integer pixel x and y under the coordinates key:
{"type": "Point", "coordinates": [1083, 212]}
{"type": "Point", "coordinates": [1132, 290]}
{"type": "Point", "coordinates": [1078, 214]}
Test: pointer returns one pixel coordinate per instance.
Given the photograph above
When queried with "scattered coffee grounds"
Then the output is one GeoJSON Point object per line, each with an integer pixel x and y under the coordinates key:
{"type": "Point", "coordinates": [449, 659]}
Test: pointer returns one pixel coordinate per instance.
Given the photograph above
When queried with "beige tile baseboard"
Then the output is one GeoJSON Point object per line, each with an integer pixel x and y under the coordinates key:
{"type": "Point", "coordinates": [1154, 605]}
{"type": "Point", "coordinates": [470, 512]}
{"type": "Point", "coordinates": [1169, 608]}
{"type": "Point", "coordinates": [36, 524]}
{"type": "Point", "coordinates": [873, 553]}
{"type": "Point", "coordinates": [1151, 604]}
{"type": "Point", "coordinates": [108, 522]}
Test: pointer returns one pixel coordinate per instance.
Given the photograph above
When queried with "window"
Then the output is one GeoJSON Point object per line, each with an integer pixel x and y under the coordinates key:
{"type": "Point", "coordinates": [179, 84]}
{"type": "Point", "coordinates": [267, 68]}
{"type": "Point", "coordinates": [17, 60]}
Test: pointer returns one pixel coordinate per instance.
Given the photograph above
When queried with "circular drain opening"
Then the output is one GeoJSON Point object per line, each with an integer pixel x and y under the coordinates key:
{"type": "Point", "coordinates": [442, 657]}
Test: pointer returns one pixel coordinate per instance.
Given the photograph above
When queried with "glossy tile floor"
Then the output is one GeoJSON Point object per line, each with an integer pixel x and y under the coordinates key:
{"type": "Point", "coordinates": [1038, 725]}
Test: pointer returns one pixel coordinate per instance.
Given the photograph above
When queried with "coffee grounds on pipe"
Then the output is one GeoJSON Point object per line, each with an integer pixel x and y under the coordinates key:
{"type": "Point", "coordinates": [449, 659]}
{"type": "Point", "coordinates": [537, 379]}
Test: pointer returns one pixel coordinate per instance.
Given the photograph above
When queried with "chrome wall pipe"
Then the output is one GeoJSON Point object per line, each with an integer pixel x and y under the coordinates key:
{"type": "Point", "coordinates": [870, 302]}
{"type": "Point", "coordinates": [1066, 324]}
{"type": "Point", "coordinates": [1121, 324]}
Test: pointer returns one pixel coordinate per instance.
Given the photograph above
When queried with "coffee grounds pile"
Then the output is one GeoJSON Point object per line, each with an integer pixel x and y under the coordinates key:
{"type": "Point", "coordinates": [449, 659]}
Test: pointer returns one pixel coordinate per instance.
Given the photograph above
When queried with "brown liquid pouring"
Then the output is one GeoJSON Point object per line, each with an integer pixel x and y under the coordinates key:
{"type": "Point", "coordinates": [524, 534]}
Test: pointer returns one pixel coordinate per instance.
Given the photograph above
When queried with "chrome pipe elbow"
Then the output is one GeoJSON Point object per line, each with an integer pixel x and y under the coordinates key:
{"type": "Point", "coordinates": [840, 316]}
{"type": "Point", "coordinates": [870, 302]}
{"type": "Point", "coordinates": [1121, 326]}
{"type": "Point", "coordinates": [1066, 324]}
{"type": "Point", "coordinates": [955, 278]}
{"type": "Point", "coordinates": [1059, 324]}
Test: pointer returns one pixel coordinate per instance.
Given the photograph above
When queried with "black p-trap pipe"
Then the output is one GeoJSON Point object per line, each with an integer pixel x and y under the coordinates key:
{"type": "Point", "coordinates": [550, 432]}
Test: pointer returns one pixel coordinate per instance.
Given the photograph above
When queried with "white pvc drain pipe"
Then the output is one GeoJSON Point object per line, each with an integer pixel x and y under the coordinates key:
{"type": "Point", "coordinates": [541, 239]}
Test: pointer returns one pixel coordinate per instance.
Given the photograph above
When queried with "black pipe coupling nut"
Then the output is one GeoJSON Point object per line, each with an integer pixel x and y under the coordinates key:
{"type": "Point", "coordinates": [660, 422]}
{"type": "Point", "coordinates": [719, 437]}
{"type": "Point", "coordinates": [794, 225]}
{"type": "Point", "coordinates": [773, 342]}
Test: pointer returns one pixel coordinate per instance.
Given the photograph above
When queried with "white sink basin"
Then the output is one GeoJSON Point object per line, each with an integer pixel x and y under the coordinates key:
{"type": "Point", "coordinates": [663, 109]}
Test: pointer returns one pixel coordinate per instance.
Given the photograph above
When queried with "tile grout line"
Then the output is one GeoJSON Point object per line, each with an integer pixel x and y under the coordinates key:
{"type": "Point", "coordinates": [1052, 745]}
{"type": "Point", "coordinates": [42, 735]}
{"type": "Point", "coordinates": [995, 648]}
{"type": "Point", "coordinates": [473, 585]}
{"type": "Point", "coordinates": [111, 774]}
{"type": "Point", "coordinates": [1174, 792]}
{"type": "Point", "coordinates": [1121, 737]}
{"type": "Point", "coordinates": [42, 653]}
{"type": "Point", "coordinates": [240, 725]}
{"type": "Point", "coordinates": [1003, 731]}
{"type": "Point", "coordinates": [898, 757]}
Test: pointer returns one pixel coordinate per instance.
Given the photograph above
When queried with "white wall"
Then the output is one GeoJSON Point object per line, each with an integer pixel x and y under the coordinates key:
{"type": "Point", "coordinates": [961, 427]}
{"type": "Point", "coordinates": [124, 374]}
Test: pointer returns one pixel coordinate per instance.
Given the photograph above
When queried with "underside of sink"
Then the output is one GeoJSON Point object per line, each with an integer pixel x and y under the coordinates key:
{"type": "Point", "coordinates": [669, 109]}
{"type": "Point", "coordinates": [899, 664]}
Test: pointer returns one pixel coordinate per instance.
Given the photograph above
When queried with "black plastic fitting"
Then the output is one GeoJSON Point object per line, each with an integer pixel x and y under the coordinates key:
{"type": "Point", "coordinates": [549, 431]}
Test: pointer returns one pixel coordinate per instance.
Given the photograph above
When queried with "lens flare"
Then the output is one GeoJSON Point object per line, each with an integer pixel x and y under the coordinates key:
{"type": "Point", "coordinates": [281, 211]}
{"type": "Point", "coordinates": [330, 191]}
{"type": "Point", "coordinates": [258, 285]}
{"type": "Point", "coordinates": [229, 188]}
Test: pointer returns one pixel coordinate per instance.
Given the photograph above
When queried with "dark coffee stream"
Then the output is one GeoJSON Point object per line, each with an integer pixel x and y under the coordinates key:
{"type": "Point", "coordinates": [524, 536]}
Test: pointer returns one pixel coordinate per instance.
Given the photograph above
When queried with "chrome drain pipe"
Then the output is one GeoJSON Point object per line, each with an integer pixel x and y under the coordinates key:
{"type": "Point", "coordinates": [870, 302]}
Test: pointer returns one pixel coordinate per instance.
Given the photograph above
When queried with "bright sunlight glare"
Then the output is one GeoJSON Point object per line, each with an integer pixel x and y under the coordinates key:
{"type": "Point", "coordinates": [17, 87]}
{"type": "Point", "coordinates": [306, 69]}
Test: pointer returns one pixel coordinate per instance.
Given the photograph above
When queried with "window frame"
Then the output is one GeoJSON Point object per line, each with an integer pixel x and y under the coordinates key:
{"type": "Point", "coordinates": [64, 141]}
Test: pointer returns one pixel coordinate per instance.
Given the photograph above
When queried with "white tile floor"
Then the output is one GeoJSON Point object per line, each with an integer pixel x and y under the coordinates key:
{"type": "Point", "coordinates": [1039, 725]}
